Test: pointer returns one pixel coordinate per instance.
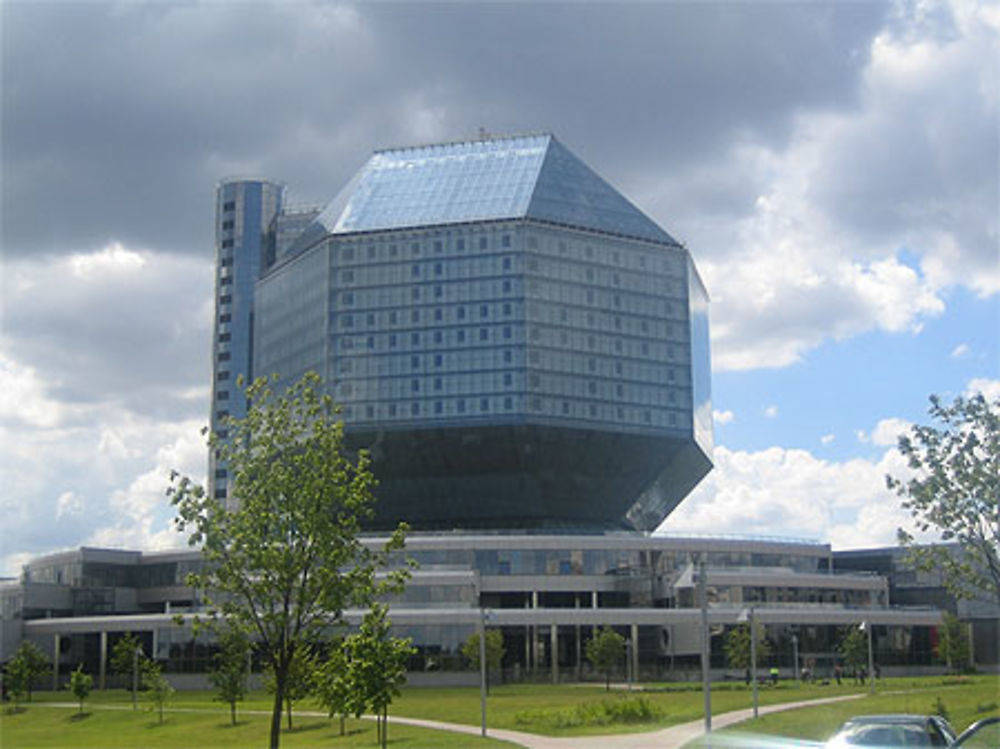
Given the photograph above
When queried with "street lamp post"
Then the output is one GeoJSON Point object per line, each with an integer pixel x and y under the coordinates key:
{"type": "Point", "coordinates": [753, 657]}
{"type": "Point", "coordinates": [706, 684]}
{"type": "Point", "coordinates": [866, 627]}
{"type": "Point", "coordinates": [751, 616]}
{"type": "Point", "coordinates": [628, 663]}
{"type": "Point", "coordinates": [795, 657]}
{"type": "Point", "coordinates": [483, 615]}
{"type": "Point", "coordinates": [135, 678]}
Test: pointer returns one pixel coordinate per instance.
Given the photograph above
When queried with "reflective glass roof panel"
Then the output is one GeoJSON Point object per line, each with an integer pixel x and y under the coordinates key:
{"type": "Point", "coordinates": [502, 178]}
{"type": "Point", "coordinates": [570, 192]}
{"type": "Point", "coordinates": [449, 183]}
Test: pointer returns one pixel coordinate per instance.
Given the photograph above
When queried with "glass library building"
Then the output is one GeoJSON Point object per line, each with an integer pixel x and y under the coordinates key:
{"type": "Point", "coordinates": [525, 355]}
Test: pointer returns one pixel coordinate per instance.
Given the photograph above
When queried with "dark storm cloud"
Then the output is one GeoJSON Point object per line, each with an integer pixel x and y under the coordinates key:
{"type": "Point", "coordinates": [115, 327]}
{"type": "Point", "coordinates": [121, 127]}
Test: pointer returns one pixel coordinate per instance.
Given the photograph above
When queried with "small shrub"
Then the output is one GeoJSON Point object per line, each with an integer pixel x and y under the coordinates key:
{"type": "Point", "coordinates": [605, 713]}
{"type": "Point", "coordinates": [986, 707]}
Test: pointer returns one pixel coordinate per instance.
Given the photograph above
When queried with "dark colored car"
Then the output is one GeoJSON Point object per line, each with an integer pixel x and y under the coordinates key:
{"type": "Point", "coordinates": [891, 731]}
{"type": "Point", "coordinates": [985, 734]}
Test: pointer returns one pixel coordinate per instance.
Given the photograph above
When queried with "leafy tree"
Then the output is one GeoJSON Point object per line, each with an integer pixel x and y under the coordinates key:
{"type": "Point", "coordinates": [299, 679]}
{"type": "Point", "coordinates": [80, 684]}
{"type": "Point", "coordinates": [158, 689]}
{"type": "Point", "coordinates": [955, 490]}
{"type": "Point", "coordinates": [17, 679]}
{"type": "Point", "coordinates": [494, 650]}
{"type": "Point", "coordinates": [737, 647]}
{"type": "Point", "coordinates": [378, 665]}
{"type": "Point", "coordinates": [953, 643]}
{"type": "Point", "coordinates": [230, 673]}
{"type": "Point", "coordinates": [605, 650]}
{"type": "Point", "coordinates": [34, 664]}
{"type": "Point", "coordinates": [124, 661]}
{"type": "Point", "coordinates": [334, 686]}
{"type": "Point", "coordinates": [285, 563]}
{"type": "Point", "coordinates": [853, 648]}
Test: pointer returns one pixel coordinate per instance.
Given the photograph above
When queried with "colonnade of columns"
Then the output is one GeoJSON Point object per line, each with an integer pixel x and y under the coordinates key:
{"type": "Point", "coordinates": [533, 656]}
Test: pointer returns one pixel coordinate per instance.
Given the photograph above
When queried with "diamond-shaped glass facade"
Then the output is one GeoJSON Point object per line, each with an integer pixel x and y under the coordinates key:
{"type": "Point", "coordinates": [516, 343]}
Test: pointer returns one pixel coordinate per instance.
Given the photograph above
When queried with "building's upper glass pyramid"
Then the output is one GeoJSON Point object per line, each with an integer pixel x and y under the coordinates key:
{"type": "Point", "coordinates": [500, 178]}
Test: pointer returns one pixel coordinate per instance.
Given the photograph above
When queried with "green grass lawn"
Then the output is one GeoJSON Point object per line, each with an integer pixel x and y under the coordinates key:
{"type": "Point", "coordinates": [963, 700]}
{"type": "Point", "coordinates": [537, 708]}
{"type": "Point", "coordinates": [532, 708]}
{"type": "Point", "coordinates": [194, 719]}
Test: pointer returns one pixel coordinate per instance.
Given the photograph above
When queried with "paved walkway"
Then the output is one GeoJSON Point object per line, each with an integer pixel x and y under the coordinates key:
{"type": "Point", "coordinates": [673, 737]}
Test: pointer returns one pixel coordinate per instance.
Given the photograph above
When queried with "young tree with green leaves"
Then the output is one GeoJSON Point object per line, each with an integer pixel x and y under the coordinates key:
{"type": "Point", "coordinates": [953, 645]}
{"type": "Point", "coordinates": [287, 561]}
{"type": "Point", "coordinates": [34, 662]}
{"type": "Point", "coordinates": [231, 669]}
{"type": "Point", "coordinates": [853, 648]}
{"type": "Point", "coordinates": [127, 660]}
{"type": "Point", "coordinates": [334, 687]}
{"type": "Point", "coordinates": [605, 650]}
{"type": "Point", "coordinates": [494, 650]}
{"type": "Point", "coordinates": [17, 679]}
{"type": "Point", "coordinates": [737, 647]}
{"type": "Point", "coordinates": [378, 665]}
{"type": "Point", "coordinates": [80, 684]}
{"type": "Point", "coordinates": [158, 689]}
{"type": "Point", "coordinates": [955, 490]}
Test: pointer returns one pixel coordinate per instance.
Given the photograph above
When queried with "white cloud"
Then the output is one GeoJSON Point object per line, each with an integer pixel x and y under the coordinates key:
{"type": "Point", "coordinates": [989, 388]}
{"type": "Point", "coordinates": [113, 325]}
{"type": "Point", "coordinates": [960, 350]}
{"type": "Point", "coordinates": [792, 493]}
{"type": "Point", "coordinates": [722, 417]}
{"type": "Point", "coordinates": [23, 399]}
{"type": "Point", "coordinates": [888, 431]}
{"type": "Point", "coordinates": [912, 165]}
{"type": "Point", "coordinates": [771, 412]}
{"type": "Point", "coordinates": [111, 260]}
{"type": "Point", "coordinates": [143, 518]}
{"type": "Point", "coordinates": [69, 503]}
{"type": "Point", "coordinates": [827, 439]}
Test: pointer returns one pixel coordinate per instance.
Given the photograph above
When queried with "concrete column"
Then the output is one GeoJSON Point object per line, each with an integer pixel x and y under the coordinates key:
{"type": "Point", "coordinates": [103, 668]}
{"type": "Point", "coordinates": [593, 605]}
{"type": "Point", "coordinates": [635, 652]}
{"type": "Point", "coordinates": [554, 651]}
{"type": "Point", "coordinates": [579, 654]}
{"type": "Point", "coordinates": [527, 638]}
{"type": "Point", "coordinates": [534, 634]}
{"type": "Point", "coordinates": [55, 662]}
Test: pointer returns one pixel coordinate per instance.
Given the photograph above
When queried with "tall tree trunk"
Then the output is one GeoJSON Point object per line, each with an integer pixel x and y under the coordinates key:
{"type": "Point", "coordinates": [279, 700]}
{"type": "Point", "coordinates": [385, 725]}
{"type": "Point", "coordinates": [342, 724]}
{"type": "Point", "coordinates": [288, 709]}
{"type": "Point", "coordinates": [232, 712]}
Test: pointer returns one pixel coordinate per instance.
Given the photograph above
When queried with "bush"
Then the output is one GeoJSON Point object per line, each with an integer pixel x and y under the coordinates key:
{"type": "Point", "coordinates": [630, 710]}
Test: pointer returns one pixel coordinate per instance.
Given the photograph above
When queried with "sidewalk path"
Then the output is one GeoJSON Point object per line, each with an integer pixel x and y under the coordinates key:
{"type": "Point", "coordinates": [666, 738]}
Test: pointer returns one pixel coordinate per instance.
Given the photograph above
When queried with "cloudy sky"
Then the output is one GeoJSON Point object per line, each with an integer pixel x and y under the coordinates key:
{"type": "Point", "coordinates": [832, 166]}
